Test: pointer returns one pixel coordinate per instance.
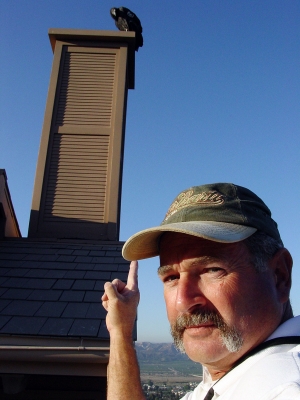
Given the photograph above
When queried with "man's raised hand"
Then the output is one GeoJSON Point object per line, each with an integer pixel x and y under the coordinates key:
{"type": "Point", "coordinates": [120, 301]}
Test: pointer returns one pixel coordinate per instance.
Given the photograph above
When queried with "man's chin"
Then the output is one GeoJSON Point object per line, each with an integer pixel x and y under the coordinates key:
{"type": "Point", "coordinates": [208, 342]}
{"type": "Point", "coordinates": [194, 337]}
{"type": "Point", "coordinates": [205, 351]}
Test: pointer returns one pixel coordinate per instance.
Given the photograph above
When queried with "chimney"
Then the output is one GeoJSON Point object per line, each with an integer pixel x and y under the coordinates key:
{"type": "Point", "coordinates": [77, 189]}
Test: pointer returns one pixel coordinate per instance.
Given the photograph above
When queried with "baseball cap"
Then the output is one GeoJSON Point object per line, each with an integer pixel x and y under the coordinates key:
{"type": "Point", "coordinates": [221, 212]}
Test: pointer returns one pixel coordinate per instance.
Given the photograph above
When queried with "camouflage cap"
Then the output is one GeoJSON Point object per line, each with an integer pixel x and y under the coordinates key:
{"type": "Point", "coordinates": [221, 212]}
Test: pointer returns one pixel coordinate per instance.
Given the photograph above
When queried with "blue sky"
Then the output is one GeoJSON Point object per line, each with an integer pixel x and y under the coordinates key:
{"type": "Point", "coordinates": [216, 99]}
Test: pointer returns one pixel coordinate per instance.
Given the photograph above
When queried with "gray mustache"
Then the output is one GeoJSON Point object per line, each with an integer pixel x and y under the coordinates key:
{"type": "Point", "coordinates": [197, 318]}
{"type": "Point", "coordinates": [230, 336]}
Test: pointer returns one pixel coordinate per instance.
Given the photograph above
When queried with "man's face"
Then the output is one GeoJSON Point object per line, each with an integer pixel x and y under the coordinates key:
{"type": "Point", "coordinates": [218, 280]}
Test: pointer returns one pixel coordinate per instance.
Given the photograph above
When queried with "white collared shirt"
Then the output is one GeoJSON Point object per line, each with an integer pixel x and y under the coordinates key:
{"type": "Point", "coordinates": [272, 373]}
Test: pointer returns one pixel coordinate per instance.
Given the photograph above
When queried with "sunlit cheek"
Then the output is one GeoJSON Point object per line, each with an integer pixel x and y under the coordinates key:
{"type": "Point", "coordinates": [226, 300]}
{"type": "Point", "coordinates": [215, 293]}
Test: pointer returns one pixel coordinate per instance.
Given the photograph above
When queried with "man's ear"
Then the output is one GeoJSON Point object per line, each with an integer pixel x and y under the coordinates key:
{"type": "Point", "coordinates": [282, 264]}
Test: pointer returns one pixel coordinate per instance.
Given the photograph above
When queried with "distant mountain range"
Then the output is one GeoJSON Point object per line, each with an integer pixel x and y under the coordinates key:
{"type": "Point", "coordinates": [158, 352]}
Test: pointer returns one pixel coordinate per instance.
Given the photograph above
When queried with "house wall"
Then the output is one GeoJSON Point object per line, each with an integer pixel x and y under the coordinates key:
{"type": "Point", "coordinates": [9, 226]}
{"type": "Point", "coordinates": [50, 387]}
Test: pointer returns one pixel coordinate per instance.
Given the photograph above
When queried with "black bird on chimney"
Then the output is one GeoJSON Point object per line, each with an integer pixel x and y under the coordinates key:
{"type": "Point", "coordinates": [126, 20]}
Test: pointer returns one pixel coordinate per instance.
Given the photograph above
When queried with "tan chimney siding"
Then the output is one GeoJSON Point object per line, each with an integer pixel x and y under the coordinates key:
{"type": "Point", "coordinates": [77, 188]}
{"type": "Point", "coordinates": [87, 88]}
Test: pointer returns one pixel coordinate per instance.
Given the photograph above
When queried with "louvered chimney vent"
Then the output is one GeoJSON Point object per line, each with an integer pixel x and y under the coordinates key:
{"type": "Point", "coordinates": [77, 187]}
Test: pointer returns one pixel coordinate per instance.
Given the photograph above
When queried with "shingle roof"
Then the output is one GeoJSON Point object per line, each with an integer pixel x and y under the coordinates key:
{"type": "Point", "coordinates": [53, 288]}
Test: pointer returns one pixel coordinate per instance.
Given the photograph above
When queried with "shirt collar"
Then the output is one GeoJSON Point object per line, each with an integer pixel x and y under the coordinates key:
{"type": "Point", "coordinates": [288, 328]}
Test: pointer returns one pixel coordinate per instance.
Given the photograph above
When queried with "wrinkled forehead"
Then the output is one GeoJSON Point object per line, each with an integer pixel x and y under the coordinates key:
{"type": "Point", "coordinates": [174, 247]}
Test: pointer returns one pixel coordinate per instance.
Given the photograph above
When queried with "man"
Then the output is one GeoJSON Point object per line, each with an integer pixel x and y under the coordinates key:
{"type": "Point", "coordinates": [226, 279]}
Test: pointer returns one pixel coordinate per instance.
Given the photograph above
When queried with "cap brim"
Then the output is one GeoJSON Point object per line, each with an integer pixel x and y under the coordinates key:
{"type": "Point", "coordinates": [145, 244]}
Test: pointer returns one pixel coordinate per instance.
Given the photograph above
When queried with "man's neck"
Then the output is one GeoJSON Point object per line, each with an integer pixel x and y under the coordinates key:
{"type": "Point", "coordinates": [287, 313]}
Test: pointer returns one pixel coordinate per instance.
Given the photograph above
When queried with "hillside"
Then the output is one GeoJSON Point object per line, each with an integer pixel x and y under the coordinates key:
{"type": "Point", "coordinates": [163, 360]}
{"type": "Point", "coordinates": [158, 352]}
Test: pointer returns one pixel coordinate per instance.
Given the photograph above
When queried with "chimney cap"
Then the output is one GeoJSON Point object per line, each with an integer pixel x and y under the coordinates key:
{"type": "Point", "coordinates": [63, 34]}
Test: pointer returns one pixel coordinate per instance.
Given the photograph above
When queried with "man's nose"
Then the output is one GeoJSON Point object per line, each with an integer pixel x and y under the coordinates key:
{"type": "Point", "coordinates": [189, 295]}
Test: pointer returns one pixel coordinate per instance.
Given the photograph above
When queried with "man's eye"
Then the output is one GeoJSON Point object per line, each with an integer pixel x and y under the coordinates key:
{"type": "Point", "coordinates": [170, 278]}
{"type": "Point", "coordinates": [213, 269]}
